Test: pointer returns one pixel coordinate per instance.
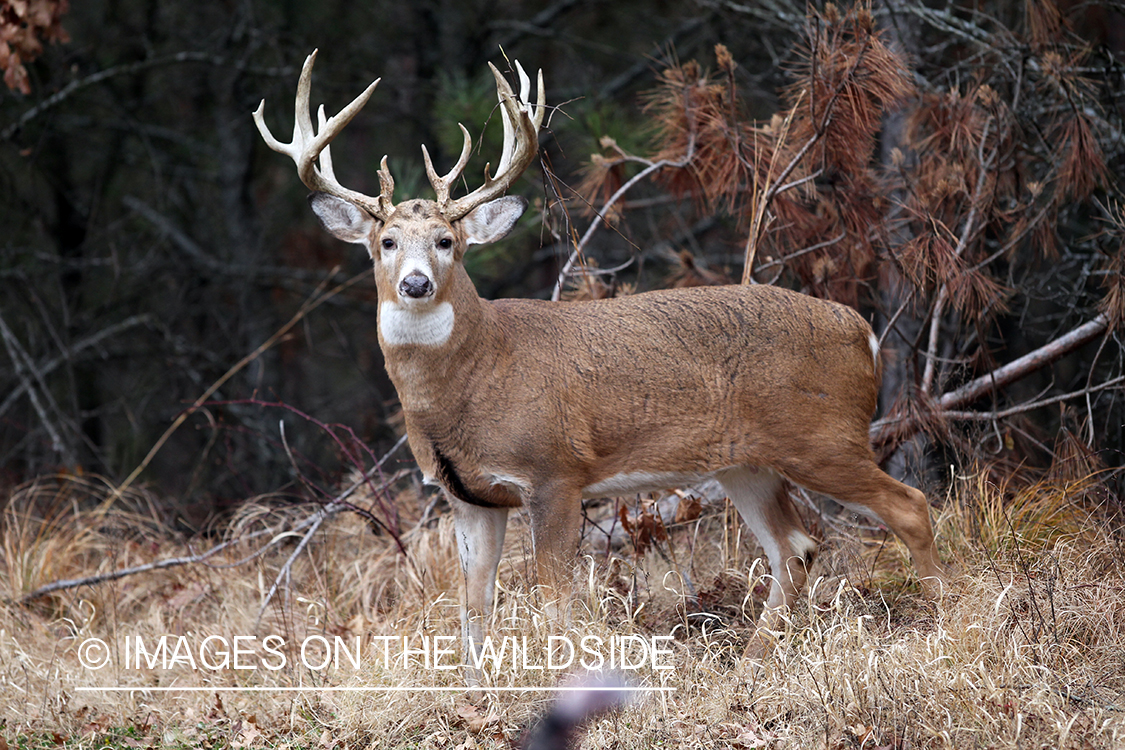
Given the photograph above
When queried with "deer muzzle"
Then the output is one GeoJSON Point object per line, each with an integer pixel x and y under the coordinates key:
{"type": "Point", "coordinates": [416, 285]}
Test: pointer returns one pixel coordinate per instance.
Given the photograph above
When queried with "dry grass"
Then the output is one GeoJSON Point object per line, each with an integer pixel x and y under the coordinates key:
{"type": "Point", "coordinates": [1027, 648]}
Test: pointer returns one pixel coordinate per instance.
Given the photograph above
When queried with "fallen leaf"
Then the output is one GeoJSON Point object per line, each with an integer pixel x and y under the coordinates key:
{"type": "Point", "coordinates": [247, 737]}
{"type": "Point", "coordinates": [474, 720]}
{"type": "Point", "coordinates": [688, 509]}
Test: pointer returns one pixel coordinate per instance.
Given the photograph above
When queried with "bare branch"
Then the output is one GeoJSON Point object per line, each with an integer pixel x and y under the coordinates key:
{"type": "Point", "coordinates": [778, 184]}
{"type": "Point", "coordinates": [314, 521]}
{"type": "Point", "coordinates": [171, 562]}
{"type": "Point", "coordinates": [277, 533]}
{"type": "Point", "coordinates": [962, 242]}
{"type": "Point", "coordinates": [26, 371]}
{"type": "Point", "coordinates": [998, 378]}
{"type": "Point", "coordinates": [803, 251]}
{"type": "Point", "coordinates": [968, 416]}
{"type": "Point", "coordinates": [81, 83]}
{"type": "Point", "coordinates": [1025, 365]}
{"type": "Point", "coordinates": [314, 301]}
{"type": "Point", "coordinates": [88, 342]}
{"type": "Point", "coordinates": [652, 167]}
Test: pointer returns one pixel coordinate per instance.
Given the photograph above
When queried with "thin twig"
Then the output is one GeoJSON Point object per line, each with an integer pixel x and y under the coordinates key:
{"type": "Point", "coordinates": [894, 319]}
{"type": "Point", "coordinates": [46, 368]}
{"type": "Point", "coordinates": [25, 369]}
{"type": "Point", "coordinates": [314, 521]}
{"type": "Point", "coordinates": [962, 243]}
{"type": "Point", "coordinates": [193, 250]}
{"type": "Point", "coordinates": [135, 67]}
{"type": "Point", "coordinates": [391, 524]}
{"type": "Point", "coordinates": [803, 251]}
{"type": "Point", "coordinates": [778, 185]}
{"type": "Point", "coordinates": [313, 302]}
{"type": "Point", "coordinates": [801, 181]}
{"type": "Point", "coordinates": [576, 253]}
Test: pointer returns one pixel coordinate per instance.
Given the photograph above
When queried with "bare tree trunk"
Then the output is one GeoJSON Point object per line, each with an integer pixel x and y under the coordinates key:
{"type": "Point", "coordinates": [898, 311]}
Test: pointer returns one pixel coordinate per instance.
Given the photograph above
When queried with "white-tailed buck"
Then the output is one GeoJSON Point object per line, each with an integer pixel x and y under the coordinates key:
{"type": "Point", "coordinates": [527, 402]}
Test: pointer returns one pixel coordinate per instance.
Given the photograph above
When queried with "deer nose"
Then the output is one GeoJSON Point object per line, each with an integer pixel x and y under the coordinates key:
{"type": "Point", "coordinates": [416, 285]}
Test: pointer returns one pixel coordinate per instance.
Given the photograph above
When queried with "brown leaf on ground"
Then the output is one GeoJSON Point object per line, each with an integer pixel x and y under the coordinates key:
{"type": "Point", "coordinates": [474, 720]}
{"type": "Point", "coordinates": [689, 509]}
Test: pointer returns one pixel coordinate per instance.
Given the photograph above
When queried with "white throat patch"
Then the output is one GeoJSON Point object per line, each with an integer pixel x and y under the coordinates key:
{"type": "Point", "coordinates": [400, 326]}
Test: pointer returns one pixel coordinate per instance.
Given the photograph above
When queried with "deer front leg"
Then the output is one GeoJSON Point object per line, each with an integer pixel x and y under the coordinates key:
{"type": "Point", "coordinates": [480, 539]}
{"type": "Point", "coordinates": [556, 524]}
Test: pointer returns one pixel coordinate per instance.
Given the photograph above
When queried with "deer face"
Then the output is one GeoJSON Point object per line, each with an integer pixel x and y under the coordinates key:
{"type": "Point", "coordinates": [416, 252]}
{"type": "Point", "coordinates": [413, 254]}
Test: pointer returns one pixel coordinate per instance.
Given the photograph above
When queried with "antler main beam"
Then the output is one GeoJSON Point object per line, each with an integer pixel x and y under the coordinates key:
{"type": "Point", "coordinates": [309, 145]}
{"type": "Point", "coordinates": [521, 120]}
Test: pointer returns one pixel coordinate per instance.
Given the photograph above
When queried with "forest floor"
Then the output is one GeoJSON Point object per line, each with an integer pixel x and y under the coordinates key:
{"type": "Point", "coordinates": [359, 645]}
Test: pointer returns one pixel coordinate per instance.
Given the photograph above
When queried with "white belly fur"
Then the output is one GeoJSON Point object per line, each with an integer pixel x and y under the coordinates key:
{"type": "Point", "coordinates": [643, 481]}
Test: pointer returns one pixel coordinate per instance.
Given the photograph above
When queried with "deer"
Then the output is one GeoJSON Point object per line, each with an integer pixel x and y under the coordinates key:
{"type": "Point", "coordinates": [514, 403]}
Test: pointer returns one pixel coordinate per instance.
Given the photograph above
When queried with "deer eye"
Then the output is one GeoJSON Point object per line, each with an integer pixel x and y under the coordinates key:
{"type": "Point", "coordinates": [388, 243]}
{"type": "Point", "coordinates": [445, 243]}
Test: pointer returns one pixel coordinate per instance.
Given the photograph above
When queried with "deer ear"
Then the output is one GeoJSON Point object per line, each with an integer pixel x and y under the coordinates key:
{"type": "Point", "coordinates": [342, 219]}
{"type": "Point", "coordinates": [490, 221]}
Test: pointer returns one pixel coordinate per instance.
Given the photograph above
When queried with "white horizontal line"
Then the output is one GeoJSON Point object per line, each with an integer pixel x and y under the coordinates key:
{"type": "Point", "coordinates": [372, 689]}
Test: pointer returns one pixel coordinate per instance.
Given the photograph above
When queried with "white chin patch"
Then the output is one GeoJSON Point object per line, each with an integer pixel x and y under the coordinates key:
{"type": "Point", "coordinates": [400, 326]}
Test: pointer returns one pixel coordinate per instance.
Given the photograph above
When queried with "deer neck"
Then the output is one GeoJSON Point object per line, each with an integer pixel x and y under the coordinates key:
{"type": "Point", "coordinates": [430, 353]}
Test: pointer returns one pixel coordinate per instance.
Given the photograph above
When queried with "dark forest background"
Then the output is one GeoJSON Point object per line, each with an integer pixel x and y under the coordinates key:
{"type": "Point", "coordinates": [149, 241]}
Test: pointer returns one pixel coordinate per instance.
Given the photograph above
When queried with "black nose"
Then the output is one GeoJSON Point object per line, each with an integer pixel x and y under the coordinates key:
{"type": "Point", "coordinates": [416, 285]}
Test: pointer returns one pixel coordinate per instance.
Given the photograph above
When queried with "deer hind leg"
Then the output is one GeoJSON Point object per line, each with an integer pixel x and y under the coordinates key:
{"type": "Point", "coordinates": [480, 540]}
{"type": "Point", "coordinates": [864, 486]}
{"type": "Point", "coordinates": [761, 499]}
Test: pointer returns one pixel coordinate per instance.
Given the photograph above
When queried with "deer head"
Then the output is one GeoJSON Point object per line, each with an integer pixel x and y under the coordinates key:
{"type": "Point", "coordinates": [417, 245]}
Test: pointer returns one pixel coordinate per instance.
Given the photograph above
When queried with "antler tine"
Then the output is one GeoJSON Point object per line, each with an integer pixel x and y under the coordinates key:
{"type": "Point", "coordinates": [302, 124]}
{"type": "Point", "coordinates": [386, 189]}
{"type": "Point", "coordinates": [442, 185]}
{"type": "Point", "coordinates": [505, 95]}
{"type": "Point", "coordinates": [521, 120]}
{"type": "Point", "coordinates": [325, 154]}
{"type": "Point", "coordinates": [508, 100]}
{"type": "Point", "coordinates": [309, 146]}
{"type": "Point", "coordinates": [540, 104]}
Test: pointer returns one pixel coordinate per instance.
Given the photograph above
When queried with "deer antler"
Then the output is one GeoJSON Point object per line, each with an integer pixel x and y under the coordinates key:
{"type": "Point", "coordinates": [441, 185]}
{"type": "Point", "coordinates": [521, 120]}
{"type": "Point", "coordinates": [307, 146]}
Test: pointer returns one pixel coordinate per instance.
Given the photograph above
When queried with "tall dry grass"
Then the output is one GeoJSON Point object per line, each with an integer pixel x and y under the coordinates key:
{"type": "Point", "coordinates": [1025, 649]}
